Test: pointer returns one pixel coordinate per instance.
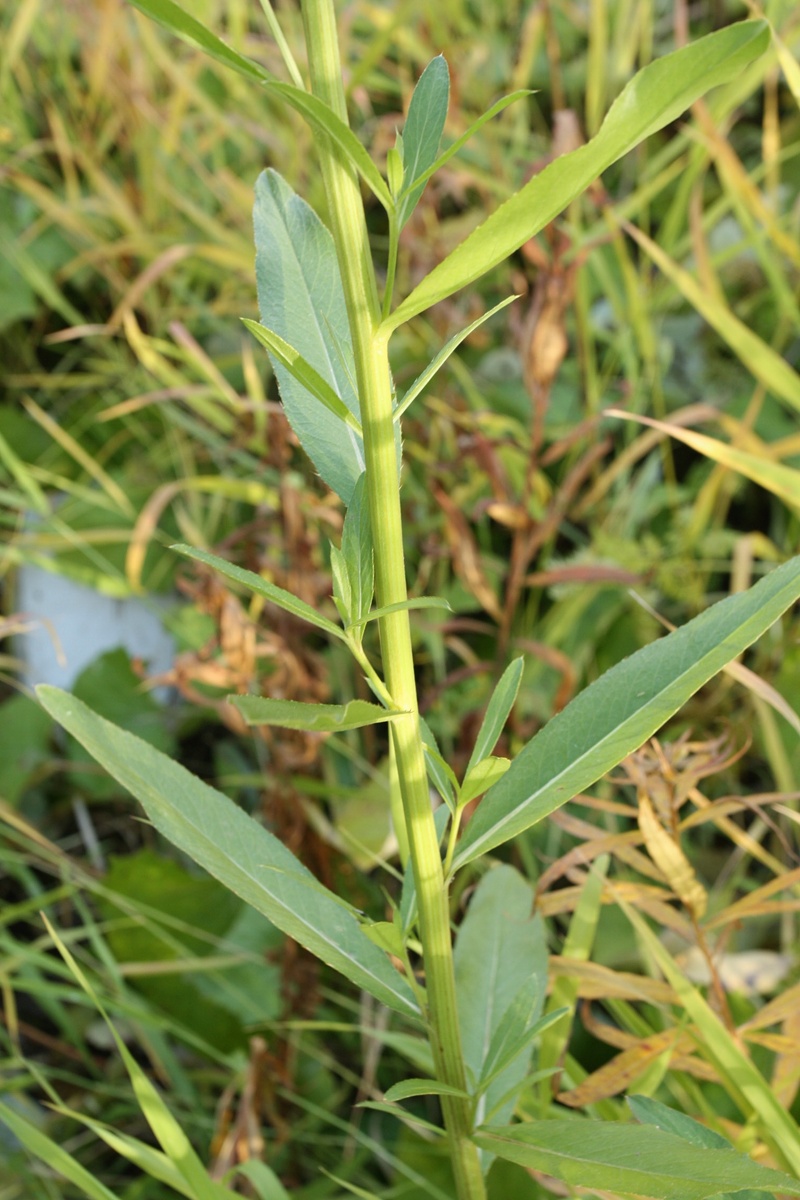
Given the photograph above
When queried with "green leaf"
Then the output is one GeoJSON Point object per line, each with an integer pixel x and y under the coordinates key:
{"type": "Point", "coordinates": [316, 718]}
{"type": "Point", "coordinates": [629, 1158]}
{"type": "Point", "coordinates": [461, 141]}
{"type": "Point", "coordinates": [405, 606]}
{"type": "Point", "coordinates": [423, 1087]}
{"type": "Point", "coordinates": [303, 372]}
{"type": "Point", "coordinates": [441, 358]}
{"type": "Point", "coordinates": [316, 112]}
{"type": "Point", "coordinates": [394, 1110]}
{"type": "Point", "coordinates": [422, 131]}
{"type": "Point", "coordinates": [54, 1156]}
{"type": "Point", "coordinates": [174, 18]}
{"type": "Point", "coordinates": [614, 715]}
{"type": "Point", "coordinates": [506, 1045]}
{"type": "Point", "coordinates": [268, 591]}
{"type": "Point", "coordinates": [654, 97]}
{"type": "Point", "coordinates": [342, 595]}
{"type": "Point", "coordinates": [499, 950]}
{"type": "Point", "coordinates": [481, 777]}
{"type": "Point", "coordinates": [497, 713]}
{"type": "Point", "coordinates": [357, 553]}
{"type": "Point", "coordinates": [262, 1178]}
{"type": "Point", "coordinates": [235, 849]}
{"type": "Point", "coordinates": [300, 297]}
{"type": "Point", "coordinates": [324, 120]}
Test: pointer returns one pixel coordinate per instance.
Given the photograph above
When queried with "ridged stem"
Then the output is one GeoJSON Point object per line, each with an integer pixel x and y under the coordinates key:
{"type": "Point", "coordinates": [348, 225]}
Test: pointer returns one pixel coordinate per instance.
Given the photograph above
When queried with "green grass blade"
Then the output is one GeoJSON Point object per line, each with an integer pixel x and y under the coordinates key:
{"type": "Point", "coordinates": [235, 849]}
{"type": "Point", "coordinates": [56, 1158]}
{"type": "Point", "coordinates": [654, 97]}
{"type": "Point", "coordinates": [178, 21]}
{"type": "Point", "coordinates": [617, 713]}
{"type": "Point", "coordinates": [741, 1078]}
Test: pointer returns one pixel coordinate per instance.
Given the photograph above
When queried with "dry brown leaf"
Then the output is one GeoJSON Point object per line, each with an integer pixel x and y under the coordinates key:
{"type": "Point", "coordinates": [596, 982]}
{"type": "Point", "coordinates": [668, 856]}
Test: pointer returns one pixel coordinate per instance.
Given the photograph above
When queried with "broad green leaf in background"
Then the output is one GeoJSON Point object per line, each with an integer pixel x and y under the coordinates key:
{"type": "Point", "coordinates": [422, 131]}
{"type": "Point", "coordinates": [357, 553]}
{"type": "Point", "coordinates": [303, 373]}
{"type": "Point", "coordinates": [629, 1158]}
{"type": "Point", "coordinates": [500, 949]}
{"type": "Point", "coordinates": [654, 97]}
{"type": "Point", "coordinates": [619, 711]}
{"type": "Point", "coordinates": [317, 718]}
{"type": "Point", "coordinates": [497, 713]}
{"type": "Point", "coordinates": [300, 297]}
{"type": "Point", "coordinates": [781, 480]}
{"type": "Point", "coordinates": [424, 378]}
{"type": "Point", "coordinates": [235, 849]}
{"type": "Point", "coordinates": [764, 363]}
{"type": "Point", "coordinates": [268, 591]}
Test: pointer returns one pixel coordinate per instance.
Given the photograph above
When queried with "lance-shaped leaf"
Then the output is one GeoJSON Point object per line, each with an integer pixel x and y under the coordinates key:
{"type": "Point", "coordinates": [614, 715]}
{"type": "Point", "coordinates": [300, 297]}
{"type": "Point", "coordinates": [303, 373]}
{"type": "Point", "coordinates": [422, 131]}
{"type": "Point", "coordinates": [497, 713]}
{"type": "Point", "coordinates": [235, 849]}
{"type": "Point", "coordinates": [654, 97]}
{"type": "Point", "coordinates": [629, 1158]}
{"type": "Point", "coordinates": [316, 718]}
{"type": "Point", "coordinates": [254, 583]}
{"type": "Point", "coordinates": [424, 378]}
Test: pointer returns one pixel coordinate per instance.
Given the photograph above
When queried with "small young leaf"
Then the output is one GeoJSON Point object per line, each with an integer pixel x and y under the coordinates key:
{"type": "Point", "coordinates": [461, 141]}
{"type": "Point", "coordinates": [275, 595]}
{"type": "Point", "coordinates": [497, 713]}
{"type": "Point", "coordinates": [386, 935]}
{"type": "Point", "coordinates": [507, 1049]}
{"type": "Point", "coordinates": [440, 772]}
{"type": "Point", "coordinates": [441, 358]}
{"type": "Point", "coordinates": [316, 718]}
{"type": "Point", "coordinates": [613, 1157]}
{"type": "Point", "coordinates": [303, 372]}
{"type": "Point", "coordinates": [422, 131]}
{"type": "Point", "coordinates": [342, 593]}
{"type": "Point", "coordinates": [357, 554]}
{"type": "Point", "coordinates": [394, 169]}
{"type": "Point", "coordinates": [408, 895]}
{"type": "Point", "coordinates": [655, 96]}
{"type": "Point", "coordinates": [235, 849]}
{"type": "Point", "coordinates": [423, 1087]}
{"type": "Point", "coordinates": [394, 1110]}
{"type": "Point", "coordinates": [481, 777]}
{"type": "Point", "coordinates": [614, 715]}
{"type": "Point", "coordinates": [301, 298]}
{"type": "Point", "coordinates": [499, 948]}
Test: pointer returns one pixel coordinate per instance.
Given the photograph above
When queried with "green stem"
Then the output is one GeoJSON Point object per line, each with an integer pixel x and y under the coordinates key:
{"type": "Point", "coordinates": [383, 487]}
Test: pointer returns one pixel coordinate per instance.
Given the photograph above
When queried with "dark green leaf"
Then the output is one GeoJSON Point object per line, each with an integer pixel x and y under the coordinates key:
{"type": "Point", "coordinates": [316, 718]}
{"type": "Point", "coordinates": [235, 849]}
{"type": "Point", "coordinates": [614, 715]}
{"type": "Point", "coordinates": [655, 96]}
{"type": "Point", "coordinates": [629, 1158]}
{"type": "Point", "coordinates": [422, 131]}
{"type": "Point", "coordinates": [254, 583]}
{"type": "Point", "coordinates": [300, 297]}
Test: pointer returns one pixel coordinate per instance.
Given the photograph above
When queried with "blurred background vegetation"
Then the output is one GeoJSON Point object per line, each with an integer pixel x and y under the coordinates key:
{"type": "Point", "coordinates": [136, 411]}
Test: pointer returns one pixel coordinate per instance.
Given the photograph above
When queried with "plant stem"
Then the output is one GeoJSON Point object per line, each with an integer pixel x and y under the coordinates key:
{"type": "Point", "coordinates": [383, 487]}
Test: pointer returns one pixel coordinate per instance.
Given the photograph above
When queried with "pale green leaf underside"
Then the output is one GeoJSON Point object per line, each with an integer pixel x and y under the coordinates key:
{"type": "Point", "coordinates": [235, 849]}
{"type": "Point", "coordinates": [655, 96]}
{"type": "Point", "coordinates": [497, 712]}
{"type": "Point", "coordinates": [617, 713]}
{"type": "Point", "coordinates": [422, 131]}
{"type": "Point", "coordinates": [315, 718]}
{"type": "Point", "coordinates": [422, 1087]}
{"type": "Point", "coordinates": [629, 1158]}
{"type": "Point", "coordinates": [261, 587]}
{"type": "Point", "coordinates": [403, 606]}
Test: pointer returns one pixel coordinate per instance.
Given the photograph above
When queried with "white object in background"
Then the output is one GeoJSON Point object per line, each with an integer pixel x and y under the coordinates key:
{"type": "Point", "coordinates": [86, 623]}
